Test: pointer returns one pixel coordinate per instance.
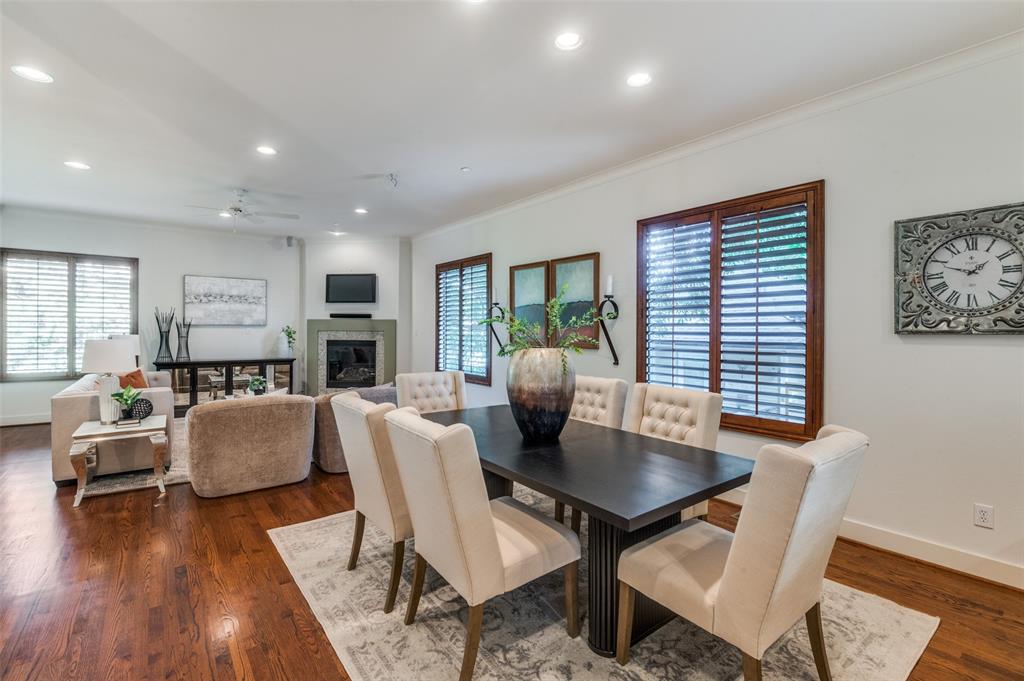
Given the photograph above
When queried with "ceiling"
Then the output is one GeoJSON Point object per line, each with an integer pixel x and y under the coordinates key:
{"type": "Point", "coordinates": [167, 101]}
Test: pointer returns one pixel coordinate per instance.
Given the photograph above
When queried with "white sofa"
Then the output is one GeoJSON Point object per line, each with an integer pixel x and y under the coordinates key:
{"type": "Point", "coordinates": [80, 402]}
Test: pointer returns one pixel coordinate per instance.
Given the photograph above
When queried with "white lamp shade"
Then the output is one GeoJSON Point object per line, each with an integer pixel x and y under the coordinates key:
{"type": "Point", "coordinates": [108, 356]}
{"type": "Point", "coordinates": [134, 338]}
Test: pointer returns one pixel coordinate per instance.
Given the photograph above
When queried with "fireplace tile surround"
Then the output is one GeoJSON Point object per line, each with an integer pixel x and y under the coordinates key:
{"type": "Point", "coordinates": [380, 332]}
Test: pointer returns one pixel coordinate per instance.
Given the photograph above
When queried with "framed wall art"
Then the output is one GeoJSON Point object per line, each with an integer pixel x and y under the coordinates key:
{"type": "Point", "coordinates": [225, 301]}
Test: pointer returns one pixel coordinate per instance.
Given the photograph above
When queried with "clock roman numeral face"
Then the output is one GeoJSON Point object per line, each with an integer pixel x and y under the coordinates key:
{"type": "Point", "coordinates": [973, 273]}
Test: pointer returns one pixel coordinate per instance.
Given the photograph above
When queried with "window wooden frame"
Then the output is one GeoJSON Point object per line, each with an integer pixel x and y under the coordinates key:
{"type": "Point", "coordinates": [811, 193]}
{"type": "Point", "coordinates": [460, 264]}
{"type": "Point", "coordinates": [72, 260]}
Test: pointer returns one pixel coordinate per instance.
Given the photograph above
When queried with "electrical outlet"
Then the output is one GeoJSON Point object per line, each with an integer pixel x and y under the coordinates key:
{"type": "Point", "coordinates": [985, 516]}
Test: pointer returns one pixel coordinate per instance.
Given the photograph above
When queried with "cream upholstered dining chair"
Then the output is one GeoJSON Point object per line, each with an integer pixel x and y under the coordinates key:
{"type": "Point", "coordinates": [432, 391]}
{"type": "Point", "coordinates": [375, 481]}
{"type": "Point", "coordinates": [600, 401]}
{"type": "Point", "coordinates": [751, 588]}
{"type": "Point", "coordinates": [482, 548]}
{"type": "Point", "coordinates": [677, 414]}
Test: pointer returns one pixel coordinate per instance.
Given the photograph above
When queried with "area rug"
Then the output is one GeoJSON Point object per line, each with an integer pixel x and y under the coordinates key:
{"type": "Point", "coordinates": [126, 482]}
{"type": "Point", "coordinates": [868, 638]}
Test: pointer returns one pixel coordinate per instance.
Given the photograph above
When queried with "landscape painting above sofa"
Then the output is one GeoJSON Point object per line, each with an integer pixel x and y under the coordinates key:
{"type": "Point", "coordinates": [225, 301]}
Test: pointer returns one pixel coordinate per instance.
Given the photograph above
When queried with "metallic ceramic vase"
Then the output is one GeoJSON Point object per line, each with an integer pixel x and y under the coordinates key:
{"type": "Point", "coordinates": [540, 392]}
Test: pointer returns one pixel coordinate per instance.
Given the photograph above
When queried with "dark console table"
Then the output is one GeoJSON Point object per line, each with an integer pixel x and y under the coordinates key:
{"type": "Point", "coordinates": [196, 381]}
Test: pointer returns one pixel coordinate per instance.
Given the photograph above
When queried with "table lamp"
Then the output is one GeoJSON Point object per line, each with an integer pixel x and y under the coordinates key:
{"type": "Point", "coordinates": [108, 357]}
{"type": "Point", "coordinates": [136, 344]}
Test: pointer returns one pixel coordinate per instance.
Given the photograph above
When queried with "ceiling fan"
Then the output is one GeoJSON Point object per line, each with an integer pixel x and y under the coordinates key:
{"type": "Point", "coordinates": [241, 208]}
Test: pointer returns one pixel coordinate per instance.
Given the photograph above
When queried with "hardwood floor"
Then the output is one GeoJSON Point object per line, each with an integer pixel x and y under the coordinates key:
{"type": "Point", "coordinates": [132, 586]}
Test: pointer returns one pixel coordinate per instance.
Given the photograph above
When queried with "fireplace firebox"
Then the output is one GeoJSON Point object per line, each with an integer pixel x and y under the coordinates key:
{"type": "Point", "coordinates": [351, 364]}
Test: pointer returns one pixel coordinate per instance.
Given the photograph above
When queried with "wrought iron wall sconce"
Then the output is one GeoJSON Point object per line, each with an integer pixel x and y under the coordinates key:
{"type": "Point", "coordinates": [500, 315]}
{"type": "Point", "coordinates": [609, 300]}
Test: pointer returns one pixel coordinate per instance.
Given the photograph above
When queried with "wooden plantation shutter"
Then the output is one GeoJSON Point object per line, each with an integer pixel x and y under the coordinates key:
{"type": "Point", "coordinates": [53, 302]}
{"type": "Point", "coordinates": [36, 299]}
{"type": "Point", "coordinates": [463, 344]}
{"type": "Point", "coordinates": [731, 300]}
{"type": "Point", "coordinates": [103, 301]}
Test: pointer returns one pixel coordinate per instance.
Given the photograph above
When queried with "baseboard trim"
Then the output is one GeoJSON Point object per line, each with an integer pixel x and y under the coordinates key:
{"type": "Point", "coordinates": [921, 550]}
{"type": "Point", "coordinates": [25, 419]}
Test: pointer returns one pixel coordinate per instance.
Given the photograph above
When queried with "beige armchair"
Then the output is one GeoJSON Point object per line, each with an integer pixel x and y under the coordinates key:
{"type": "Point", "coordinates": [691, 417]}
{"type": "Point", "coordinates": [432, 391]}
{"type": "Point", "coordinates": [80, 402]}
{"type": "Point", "coordinates": [254, 443]}
{"type": "Point", "coordinates": [600, 401]}
{"type": "Point", "coordinates": [375, 481]}
{"type": "Point", "coordinates": [750, 588]}
{"type": "Point", "coordinates": [328, 454]}
{"type": "Point", "coordinates": [482, 548]}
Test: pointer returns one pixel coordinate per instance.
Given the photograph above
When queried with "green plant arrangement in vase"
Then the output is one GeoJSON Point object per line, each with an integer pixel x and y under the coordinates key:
{"type": "Point", "coordinates": [257, 385]}
{"type": "Point", "coordinates": [289, 333]}
{"type": "Point", "coordinates": [541, 380]}
{"type": "Point", "coordinates": [133, 404]}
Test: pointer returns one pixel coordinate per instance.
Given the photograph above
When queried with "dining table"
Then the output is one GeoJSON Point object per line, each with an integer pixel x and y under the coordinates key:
{"type": "Point", "coordinates": [632, 487]}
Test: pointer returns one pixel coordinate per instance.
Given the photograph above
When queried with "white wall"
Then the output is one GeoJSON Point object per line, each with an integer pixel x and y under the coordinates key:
{"type": "Point", "coordinates": [945, 414]}
{"type": "Point", "coordinates": [389, 259]}
{"type": "Point", "coordinates": [165, 254]}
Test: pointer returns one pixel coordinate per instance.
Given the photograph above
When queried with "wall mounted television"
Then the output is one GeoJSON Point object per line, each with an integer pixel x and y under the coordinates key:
{"type": "Point", "coordinates": [351, 288]}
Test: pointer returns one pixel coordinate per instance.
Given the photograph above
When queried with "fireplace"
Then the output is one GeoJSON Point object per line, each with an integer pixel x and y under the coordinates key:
{"type": "Point", "coordinates": [351, 364]}
{"type": "Point", "coordinates": [351, 359]}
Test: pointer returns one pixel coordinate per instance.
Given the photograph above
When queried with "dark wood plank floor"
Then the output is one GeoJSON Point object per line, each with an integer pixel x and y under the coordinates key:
{"type": "Point", "coordinates": [133, 586]}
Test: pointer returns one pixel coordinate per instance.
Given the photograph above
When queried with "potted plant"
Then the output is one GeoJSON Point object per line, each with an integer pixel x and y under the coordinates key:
{"type": "Point", "coordinates": [541, 380]}
{"type": "Point", "coordinates": [257, 385]}
{"type": "Point", "coordinates": [133, 404]}
{"type": "Point", "coordinates": [286, 341]}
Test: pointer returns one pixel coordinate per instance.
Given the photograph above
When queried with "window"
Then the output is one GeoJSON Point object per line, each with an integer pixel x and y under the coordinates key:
{"type": "Point", "coordinates": [463, 344]}
{"type": "Point", "coordinates": [54, 302]}
{"type": "Point", "coordinates": [730, 300]}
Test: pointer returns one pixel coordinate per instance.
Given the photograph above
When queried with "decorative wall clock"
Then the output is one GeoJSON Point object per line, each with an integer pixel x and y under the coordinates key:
{"type": "Point", "coordinates": [961, 272]}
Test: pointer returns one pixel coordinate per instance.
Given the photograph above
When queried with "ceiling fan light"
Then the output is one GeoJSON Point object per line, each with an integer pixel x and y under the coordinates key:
{"type": "Point", "coordinates": [224, 214]}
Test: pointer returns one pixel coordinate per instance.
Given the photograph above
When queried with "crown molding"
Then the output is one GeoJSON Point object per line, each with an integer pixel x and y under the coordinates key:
{"type": "Point", "coordinates": [967, 58]}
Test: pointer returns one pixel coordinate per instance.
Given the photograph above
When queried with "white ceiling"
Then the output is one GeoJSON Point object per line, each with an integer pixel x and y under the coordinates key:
{"type": "Point", "coordinates": [167, 101]}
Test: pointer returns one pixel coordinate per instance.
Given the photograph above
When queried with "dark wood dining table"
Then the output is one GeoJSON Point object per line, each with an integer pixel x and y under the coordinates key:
{"type": "Point", "coordinates": [631, 487]}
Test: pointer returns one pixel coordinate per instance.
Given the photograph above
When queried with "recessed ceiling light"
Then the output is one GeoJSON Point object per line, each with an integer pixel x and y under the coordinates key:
{"type": "Point", "coordinates": [465, 169]}
{"type": "Point", "coordinates": [31, 73]}
{"type": "Point", "coordinates": [568, 41]}
{"type": "Point", "coordinates": [362, 211]}
{"type": "Point", "coordinates": [474, 2]}
{"type": "Point", "coordinates": [639, 80]}
{"type": "Point", "coordinates": [224, 214]}
{"type": "Point", "coordinates": [77, 165]}
{"type": "Point", "coordinates": [336, 232]}
{"type": "Point", "coordinates": [266, 151]}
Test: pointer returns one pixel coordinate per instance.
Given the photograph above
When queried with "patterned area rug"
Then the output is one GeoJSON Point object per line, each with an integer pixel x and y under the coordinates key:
{"type": "Point", "coordinates": [126, 482]}
{"type": "Point", "coordinates": [868, 638]}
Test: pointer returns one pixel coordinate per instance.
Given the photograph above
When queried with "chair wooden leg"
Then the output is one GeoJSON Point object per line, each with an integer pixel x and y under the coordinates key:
{"type": "Point", "coordinates": [396, 575]}
{"type": "Point", "coordinates": [751, 668]}
{"type": "Point", "coordinates": [627, 599]}
{"type": "Point", "coordinates": [817, 636]}
{"type": "Point", "coordinates": [572, 598]}
{"type": "Point", "coordinates": [417, 588]}
{"type": "Point", "coordinates": [357, 540]}
{"type": "Point", "coordinates": [473, 628]}
{"type": "Point", "coordinates": [577, 520]}
{"type": "Point", "coordinates": [560, 511]}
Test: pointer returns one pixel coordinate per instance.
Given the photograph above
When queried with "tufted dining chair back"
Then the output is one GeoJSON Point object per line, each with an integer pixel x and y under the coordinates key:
{"type": "Point", "coordinates": [691, 417]}
{"type": "Point", "coordinates": [599, 400]}
{"type": "Point", "coordinates": [432, 391]}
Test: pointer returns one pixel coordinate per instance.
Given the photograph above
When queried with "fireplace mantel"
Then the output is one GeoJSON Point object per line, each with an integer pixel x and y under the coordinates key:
{"type": "Point", "coordinates": [318, 331]}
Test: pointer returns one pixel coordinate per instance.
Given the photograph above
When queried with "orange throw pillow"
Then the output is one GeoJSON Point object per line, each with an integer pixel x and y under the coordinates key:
{"type": "Point", "coordinates": [135, 379]}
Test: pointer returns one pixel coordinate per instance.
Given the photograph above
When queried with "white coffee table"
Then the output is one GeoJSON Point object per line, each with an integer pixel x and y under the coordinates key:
{"type": "Point", "coordinates": [85, 438]}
